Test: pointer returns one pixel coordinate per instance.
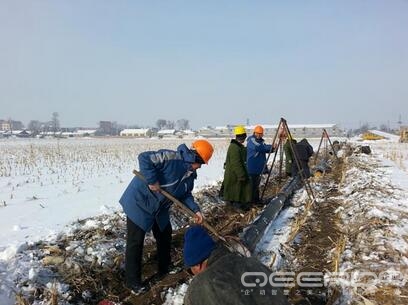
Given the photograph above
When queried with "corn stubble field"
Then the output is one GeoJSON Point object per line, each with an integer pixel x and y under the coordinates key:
{"type": "Point", "coordinates": [359, 224]}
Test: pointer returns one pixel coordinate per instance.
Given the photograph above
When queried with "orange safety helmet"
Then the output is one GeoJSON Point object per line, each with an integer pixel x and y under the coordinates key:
{"type": "Point", "coordinates": [204, 149]}
{"type": "Point", "coordinates": [258, 129]}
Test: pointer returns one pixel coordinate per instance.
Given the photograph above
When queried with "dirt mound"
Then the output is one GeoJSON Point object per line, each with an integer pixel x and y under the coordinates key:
{"type": "Point", "coordinates": [318, 243]}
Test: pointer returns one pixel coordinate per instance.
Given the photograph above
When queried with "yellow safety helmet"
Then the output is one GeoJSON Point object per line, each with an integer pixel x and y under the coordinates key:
{"type": "Point", "coordinates": [238, 130]}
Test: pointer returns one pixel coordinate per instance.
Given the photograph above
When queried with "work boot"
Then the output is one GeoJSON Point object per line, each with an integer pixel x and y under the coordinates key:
{"type": "Point", "coordinates": [243, 207]}
{"type": "Point", "coordinates": [161, 275]}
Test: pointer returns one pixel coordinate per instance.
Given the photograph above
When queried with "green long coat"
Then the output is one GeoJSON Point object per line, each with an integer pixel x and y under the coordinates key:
{"type": "Point", "coordinates": [237, 185]}
{"type": "Point", "coordinates": [288, 156]}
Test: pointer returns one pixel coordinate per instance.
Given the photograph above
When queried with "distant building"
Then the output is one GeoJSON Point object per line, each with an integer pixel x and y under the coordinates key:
{"type": "Point", "coordinates": [85, 132]}
{"type": "Point", "coordinates": [166, 133]}
{"type": "Point", "coordinates": [17, 125]}
{"type": "Point", "coordinates": [24, 134]}
{"type": "Point", "coordinates": [4, 125]}
{"type": "Point", "coordinates": [297, 130]}
{"type": "Point", "coordinates": [11, 125]}
{"type": "Point", "coordinates": [137, 132]}
{"type": "Point", "coordinates": [106, 128]}
{"type": "Point", "coordinates": [186, 133]}
{"type": "Point", "coordinates": [373, 134]}
{"type": "Point", "coordinates": [216, 132]}
{"type": "Point", "coordinates": [67, 134]}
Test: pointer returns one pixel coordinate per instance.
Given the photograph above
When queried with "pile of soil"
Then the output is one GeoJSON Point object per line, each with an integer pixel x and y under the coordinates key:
{"type": "Point", "coordinates": [319, 242]}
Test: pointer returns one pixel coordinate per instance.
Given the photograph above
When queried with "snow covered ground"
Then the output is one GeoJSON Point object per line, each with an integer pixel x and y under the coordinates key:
{"type": "Point", "coordinates": [47, 184]}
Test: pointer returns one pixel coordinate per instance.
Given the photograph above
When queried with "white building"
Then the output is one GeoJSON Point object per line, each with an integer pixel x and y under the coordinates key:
{"type": "Point", "coordinates": [4, 125]}
{"type": "Point", "coordinates": [85, 132]}
{"type": "Point", "coordinates": [137, 132]}
{"type": "Point", "coordinates": [216, 132]}
{"type": "Point", "coordinates": [188, 133]}
{"type": "Point", "coordinates": [166, 133]}
{"type": "Point", "coordinates": [300, 130]}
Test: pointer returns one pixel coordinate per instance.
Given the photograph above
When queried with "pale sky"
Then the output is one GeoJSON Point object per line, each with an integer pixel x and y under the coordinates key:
{"type": "Point", "coordinates": [212, 62]}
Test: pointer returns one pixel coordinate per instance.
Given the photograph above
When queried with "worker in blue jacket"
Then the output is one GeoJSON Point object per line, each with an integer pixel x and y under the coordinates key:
{"type": "Point", "coordinates": [147, 209]}
{"type": "Point", "coordinates": [256, 159]}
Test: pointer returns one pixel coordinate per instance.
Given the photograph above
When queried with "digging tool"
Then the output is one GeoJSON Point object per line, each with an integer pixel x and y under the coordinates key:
{"type": "Point", "coordinates": [232, 244]}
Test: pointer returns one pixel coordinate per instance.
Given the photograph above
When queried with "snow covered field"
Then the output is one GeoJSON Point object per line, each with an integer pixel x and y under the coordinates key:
{"type": "Point", "coordinates": [47, 184]}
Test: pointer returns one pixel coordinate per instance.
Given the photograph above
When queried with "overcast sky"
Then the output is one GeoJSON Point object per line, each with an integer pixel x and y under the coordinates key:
{"type": "Point", "coordinates": [212, 62]}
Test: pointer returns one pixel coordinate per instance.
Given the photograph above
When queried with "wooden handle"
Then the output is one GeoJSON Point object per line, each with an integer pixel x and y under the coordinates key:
{"type": "Point", "coordinates": [179, 205]}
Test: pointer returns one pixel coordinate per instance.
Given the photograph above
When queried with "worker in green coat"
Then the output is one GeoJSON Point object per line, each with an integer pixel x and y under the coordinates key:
{"type": "Point", "coordinates": [237, 185]}
{"type": "Point", "coordinates": [289, 157]}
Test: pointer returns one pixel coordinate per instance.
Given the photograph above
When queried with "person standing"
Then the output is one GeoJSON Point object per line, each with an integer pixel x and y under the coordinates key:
{"type": "Point", "coordinates": [236, 184]}
{"type": "Point", "coordinates": [256, 159]}
{"type": "Point", "coordinates": [303, 151]}
{"type": "Point", "coordinates": [147, 209]}
{"type": "Point", "coordinates": [289, 159]}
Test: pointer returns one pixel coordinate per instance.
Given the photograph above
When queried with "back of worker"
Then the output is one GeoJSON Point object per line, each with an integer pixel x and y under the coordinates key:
{"type": "Point", "coordinates": [221, 282]}
{"type": "Point", "coordinates": [303, 151]}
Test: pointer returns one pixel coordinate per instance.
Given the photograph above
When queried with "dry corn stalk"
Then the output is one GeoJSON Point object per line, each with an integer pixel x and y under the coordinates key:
{"type": "Point", "coordinates": [21, 300]}
{"type": "Point", "coordinates": [54, 294]}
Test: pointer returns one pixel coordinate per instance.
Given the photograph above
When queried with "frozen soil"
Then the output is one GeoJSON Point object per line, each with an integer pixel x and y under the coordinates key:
{"type": "Point", "coordinates": [317, 243]}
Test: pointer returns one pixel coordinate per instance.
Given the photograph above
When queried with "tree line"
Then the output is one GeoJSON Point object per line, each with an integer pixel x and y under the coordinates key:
{"type": "Point", "coordinates": [181, 124]}
{"type": "Point", "coordinates": [37, 127]}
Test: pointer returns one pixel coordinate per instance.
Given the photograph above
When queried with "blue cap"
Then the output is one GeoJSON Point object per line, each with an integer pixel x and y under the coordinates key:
{"type": "Point", "coordinates": [198, 246]}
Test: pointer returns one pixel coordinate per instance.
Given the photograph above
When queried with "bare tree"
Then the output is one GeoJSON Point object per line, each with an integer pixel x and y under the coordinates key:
{"type": "Point", "coordinates": [55, 125]}
{"type": "Point", "coordinates": [170, 124]}
{"type": "Point", "coordinates": [384, 127]}
{"type": "Point", "coordinates": [35, 127]}
{"type": "Point", "coordinates": [363, 128]}
{"type": "Point", "coordinates": [183, 124]}
{"type": "Point", "coordinates": [161, 123]}
{"type": "Point", "coordinates": [10, 125]}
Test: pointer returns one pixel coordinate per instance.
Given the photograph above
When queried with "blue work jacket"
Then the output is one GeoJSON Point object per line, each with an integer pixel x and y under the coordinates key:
{"type": "Point", "coordinates": [256, 155]}
{"type": "Point", "coordinates": [173, 171]}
